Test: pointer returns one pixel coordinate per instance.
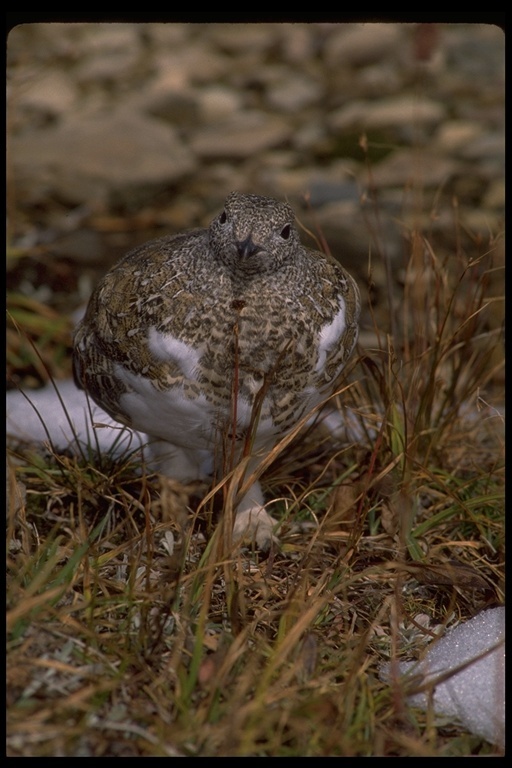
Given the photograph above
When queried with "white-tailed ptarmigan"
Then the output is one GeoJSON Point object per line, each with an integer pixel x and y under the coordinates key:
{"type": "Point", "coordinates": [199, 339]}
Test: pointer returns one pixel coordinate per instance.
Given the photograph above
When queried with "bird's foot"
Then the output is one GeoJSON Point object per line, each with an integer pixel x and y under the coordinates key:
{"type": "Point", "coordinates": [256, 525]}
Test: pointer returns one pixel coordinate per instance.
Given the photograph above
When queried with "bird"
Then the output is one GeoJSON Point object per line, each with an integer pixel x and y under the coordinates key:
{"type": "Point", "coordinates": [216, 342]}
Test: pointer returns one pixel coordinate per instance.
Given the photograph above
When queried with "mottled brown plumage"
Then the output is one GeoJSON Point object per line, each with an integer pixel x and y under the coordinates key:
{"type": "Point", "coordinates": [183, 323]}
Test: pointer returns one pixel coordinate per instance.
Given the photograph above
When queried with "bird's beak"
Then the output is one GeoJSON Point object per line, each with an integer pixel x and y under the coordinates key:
{"type": "Point", "coordinates": [247, 248]}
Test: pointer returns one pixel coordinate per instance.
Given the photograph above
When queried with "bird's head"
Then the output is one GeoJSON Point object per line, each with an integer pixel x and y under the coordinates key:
{"type": "Point", "coordinates": [254, 234]}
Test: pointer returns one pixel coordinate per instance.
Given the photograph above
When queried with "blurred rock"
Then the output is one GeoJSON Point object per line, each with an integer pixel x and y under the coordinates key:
{"type": "Point", "coordinates": [293, 93]}
{"type": "Point", "coordinates": [495, 195]}
{"type": "Point", "coordinates": [357, 45]}
{"type": "Point", "coordinates": [239, 137]}
{"type": "Point", "coordinates": [177, 107]}
{"type": "Point", "coordinates": [412, 168]}
{"type": "Point", "coordinates": [453, 136]}
{"type": "Point", "coordinates": [83, 246]}
{"type": "Point", "coordinates": [120, 158]}
{"type": "Point", "coordinates": [47, 96]}
{"type": "Point", "coordinates": [218, 102]}
{"type": "Point", "coordinates": [393, 112]}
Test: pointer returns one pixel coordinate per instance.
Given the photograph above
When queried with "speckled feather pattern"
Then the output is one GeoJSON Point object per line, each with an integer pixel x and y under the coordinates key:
{"type": "Point", "coordinates": [239, 307]}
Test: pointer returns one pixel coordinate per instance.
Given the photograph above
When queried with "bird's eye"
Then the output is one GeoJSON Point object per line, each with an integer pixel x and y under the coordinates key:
{"type": "Point", "coordinates": [223, 217]}
{"type": "Point", "coordinates": [285, 232]}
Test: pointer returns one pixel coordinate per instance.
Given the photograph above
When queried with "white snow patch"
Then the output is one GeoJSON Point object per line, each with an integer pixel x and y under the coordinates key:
{"type": "Point", "coordinates": [475, 695]}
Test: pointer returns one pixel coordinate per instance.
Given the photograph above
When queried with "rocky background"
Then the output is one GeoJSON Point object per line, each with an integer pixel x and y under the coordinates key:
{"type": "Point", "coordinates": [122, 132]}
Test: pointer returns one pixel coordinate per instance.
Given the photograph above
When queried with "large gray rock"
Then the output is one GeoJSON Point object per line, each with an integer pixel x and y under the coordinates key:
{"type": "Point", "coordinates": [116, 158]}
